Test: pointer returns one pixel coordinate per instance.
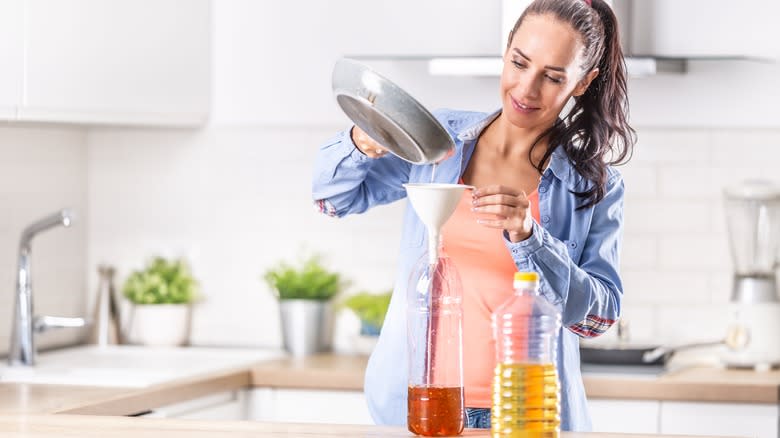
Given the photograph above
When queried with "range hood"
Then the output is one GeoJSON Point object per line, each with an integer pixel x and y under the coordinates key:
{"type": "Point", "coordinates": [638, 66]}
{"type": "Point", "coordinates": [658, 36]}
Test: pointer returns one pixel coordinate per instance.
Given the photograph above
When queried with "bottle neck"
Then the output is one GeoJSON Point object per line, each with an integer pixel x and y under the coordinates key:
{"type": "Point", "coordinates": [526, 288]}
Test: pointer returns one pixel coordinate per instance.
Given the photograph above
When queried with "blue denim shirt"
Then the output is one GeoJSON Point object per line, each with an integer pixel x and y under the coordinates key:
{"type": "Point", "coordinates": [576, 253]}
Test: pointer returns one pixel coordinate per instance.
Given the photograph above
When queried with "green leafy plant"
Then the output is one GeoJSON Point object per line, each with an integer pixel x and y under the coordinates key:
{"type": "Point", "coordinates": [370, 308]}
{"type": "Point", "coordinates": [162, 281]}
{"type": "Point", "coordinates": [310, 281]}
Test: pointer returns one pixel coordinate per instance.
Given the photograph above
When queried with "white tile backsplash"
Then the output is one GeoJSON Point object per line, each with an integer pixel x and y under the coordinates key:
{"type": "Point", "coordinates": [43, 169]}
{"type": "Point", "coordinates": [235, 200]}
{"type": "Point", "coordinates": [672, 146]}
{"type": "Point", "coordinates": [691, 252]}
{"type": "Point", "coordinates": [657, 287]}
{"type": "Point", "coordinates": [661, 216]}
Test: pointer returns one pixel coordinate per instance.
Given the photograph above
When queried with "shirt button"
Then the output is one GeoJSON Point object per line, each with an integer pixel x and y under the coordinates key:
{"type": "Point", "coordinates": [542, 189]}
{"type": "Point", "coordinates": [545, 218]}
{"type": "Point", "coordinates": [573, 244]}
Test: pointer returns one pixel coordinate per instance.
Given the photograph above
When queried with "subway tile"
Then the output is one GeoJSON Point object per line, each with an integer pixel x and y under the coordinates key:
{"type": "Point", "coordinates": [641, 321]}
{"type": "Point", "coordinates": [721, 283]}
{"type": "Point", "coordinates": [682, 324]}
{"type": "Point", "coordinates": [699, 181]}
{"type": "Point", "coordinates": [667, 215]}
{"type": "Point", "coordinates": [659, 287]}
{"type": "Point", "coordinates": [745, 147]}
{"type": "Point", "coordinates": [42, 144]}
{"type": "Point", "coordinates": [694, 252]}
{"type": "Point", "coordinates": [640, 180]}
{"type": "Point", "coordinates": [672, 146]}
{"type": "Point", "coordinates": [639, 251]}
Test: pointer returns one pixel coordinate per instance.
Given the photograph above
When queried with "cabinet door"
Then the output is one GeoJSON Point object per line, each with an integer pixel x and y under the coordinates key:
{"type": "Point", "coordinates": [231, 405]}
{"type": "Point", "coordinates": [721, 419]}
{"type": "Point", "coordinates": [309, 406]}
{"type": "Point", "coordinates": [118, 61]}
{"type": "Point", "coordinates": [699, 28]}
{"type": "Point", "coordinates": [624, 416]}
{"type": "Point", "coordinates": [11, 57]}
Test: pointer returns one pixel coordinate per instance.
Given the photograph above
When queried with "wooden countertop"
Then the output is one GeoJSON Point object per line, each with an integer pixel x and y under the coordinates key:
{"type": "Point", "coordinates": [691, 384]}
{"type": "Point", "coordinates": [51, 426]}
{"type": "Point", "coordinates": [342, 372]}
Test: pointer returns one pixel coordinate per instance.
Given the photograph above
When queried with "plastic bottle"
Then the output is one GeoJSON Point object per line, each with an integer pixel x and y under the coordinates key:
{"type": "Point", "coordinates": [526, 389]}
{"type": "Point", "coordinates": [435, 397]}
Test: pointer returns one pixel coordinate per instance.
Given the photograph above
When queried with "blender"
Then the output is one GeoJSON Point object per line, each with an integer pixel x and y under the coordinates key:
{"type": "Point", "coordinates": [753, 220]}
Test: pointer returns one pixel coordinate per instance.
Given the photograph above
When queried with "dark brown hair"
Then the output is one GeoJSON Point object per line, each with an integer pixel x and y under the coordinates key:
{"type": "Point", "coordinates": [595, 133]}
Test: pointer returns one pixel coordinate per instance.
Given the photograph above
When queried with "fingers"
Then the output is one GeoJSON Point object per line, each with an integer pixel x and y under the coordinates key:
{"type": "Point", "coordinates": [505, 208]}
{"type": "Point", "coordinates": [501, 199]}
{"type": "Point", "coordinates": [366, 144]}
{"type": "Point", "coordinates": [496, 189]}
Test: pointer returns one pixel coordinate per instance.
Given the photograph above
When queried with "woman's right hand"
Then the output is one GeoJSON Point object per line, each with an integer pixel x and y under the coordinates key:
{"type": "Point", "coordinates": [366, 144]}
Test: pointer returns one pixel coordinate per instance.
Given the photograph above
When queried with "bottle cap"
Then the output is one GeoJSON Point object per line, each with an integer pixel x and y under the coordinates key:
{"type": "Point", "coordinates": [526, 276]}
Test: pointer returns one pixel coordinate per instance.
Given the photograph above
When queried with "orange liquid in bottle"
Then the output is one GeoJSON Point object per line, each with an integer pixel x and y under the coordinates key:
{"type": "Point", "coordinates": [436, 411]}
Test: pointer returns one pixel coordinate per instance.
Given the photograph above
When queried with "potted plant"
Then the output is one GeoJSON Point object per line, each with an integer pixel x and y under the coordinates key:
{"type": "Point", "coordinates": [370, 308]}
{"type": "Point", "coordinates": [162, 294]}
{"type": "Point", "coordinates": [304, 293]}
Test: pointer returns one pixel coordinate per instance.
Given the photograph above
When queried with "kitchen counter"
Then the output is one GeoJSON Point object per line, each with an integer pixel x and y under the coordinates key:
{"type": "Point", "coordinates": [343, 372]}
{"type": "Point", "coordinates": [37, 410]}
{"type": "Point", "coordinates": [47, 426]}
{"type": "Point", "coordinates": [689, 384]}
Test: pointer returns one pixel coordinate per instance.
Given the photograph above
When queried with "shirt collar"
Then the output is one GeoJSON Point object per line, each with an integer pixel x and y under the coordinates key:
{"type": "Point", "coordinates": [559, 165]}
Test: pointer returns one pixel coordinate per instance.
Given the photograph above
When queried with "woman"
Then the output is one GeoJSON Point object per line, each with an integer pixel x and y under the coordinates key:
{"type": "Point", "coordinates": [546, 200]}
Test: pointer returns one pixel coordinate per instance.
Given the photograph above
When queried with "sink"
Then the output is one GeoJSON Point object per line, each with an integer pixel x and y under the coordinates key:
{"type": "Point", "coordinates": [130, 366]}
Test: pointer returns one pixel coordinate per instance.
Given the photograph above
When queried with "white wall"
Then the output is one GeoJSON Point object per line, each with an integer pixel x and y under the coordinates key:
{"type": "Point", "coordinates": [43, 169]}
{"type": "Point", "coordinates": [234, 201]}
{"type": "Point", "coordinates": [235, 196]}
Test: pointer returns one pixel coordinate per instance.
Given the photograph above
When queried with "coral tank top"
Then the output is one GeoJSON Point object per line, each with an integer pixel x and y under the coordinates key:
{"type": "Point", "coordinates": [486, 269]}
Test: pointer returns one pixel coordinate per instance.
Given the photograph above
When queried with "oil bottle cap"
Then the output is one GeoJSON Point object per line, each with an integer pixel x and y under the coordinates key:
{"type": "Point", "coordinates": [526, 276]}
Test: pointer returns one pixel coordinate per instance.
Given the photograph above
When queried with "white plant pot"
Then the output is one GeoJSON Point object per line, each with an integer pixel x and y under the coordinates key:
{"type": "Point", "coordinates": [159, 324]}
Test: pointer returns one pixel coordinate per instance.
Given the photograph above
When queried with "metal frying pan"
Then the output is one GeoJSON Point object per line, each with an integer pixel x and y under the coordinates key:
{"type": "Point", "coordinates": [389, 115]}
{"type": "Point", "coordinates": [653, 354]}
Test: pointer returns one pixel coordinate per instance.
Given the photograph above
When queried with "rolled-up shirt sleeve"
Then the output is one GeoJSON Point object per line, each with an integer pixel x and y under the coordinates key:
{"type": "Point", "coordinates": [589, 293]}
{"type": "Point", "coordinates": [345, 181]}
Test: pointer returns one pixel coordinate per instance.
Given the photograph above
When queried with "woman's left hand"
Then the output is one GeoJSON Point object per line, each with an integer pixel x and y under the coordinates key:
{"type": "Point", "coordinates": [504, 208]}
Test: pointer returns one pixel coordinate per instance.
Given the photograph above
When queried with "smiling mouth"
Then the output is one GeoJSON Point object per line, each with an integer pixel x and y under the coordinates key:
{"type": "Point", "coordinates": [523, 108]}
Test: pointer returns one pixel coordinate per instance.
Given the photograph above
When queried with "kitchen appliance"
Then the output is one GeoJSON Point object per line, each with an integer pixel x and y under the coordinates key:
{"type": "Point", "coordinates": [753, 219]}
{"type": "Point", "coordinates": [389, 115]}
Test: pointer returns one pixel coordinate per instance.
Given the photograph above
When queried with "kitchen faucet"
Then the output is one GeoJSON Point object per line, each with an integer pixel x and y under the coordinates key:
{"type": "Point", "coordinates": [22, 349]}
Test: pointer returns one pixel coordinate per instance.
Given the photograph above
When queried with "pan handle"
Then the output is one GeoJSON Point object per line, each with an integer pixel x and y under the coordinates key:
{"type": "Point", "coordinates": [656, 353]}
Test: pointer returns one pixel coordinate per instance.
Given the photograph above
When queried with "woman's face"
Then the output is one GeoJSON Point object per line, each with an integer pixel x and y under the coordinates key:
{"type": "Point", "coordinates": [542, 70]}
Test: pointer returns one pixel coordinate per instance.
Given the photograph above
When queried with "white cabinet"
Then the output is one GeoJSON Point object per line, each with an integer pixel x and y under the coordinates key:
{"type": "Point", "coordinates": [721, 419]}
{"type": "Point", "coordinates": [753, 420]}
{"type": "Point", "coordinates": [704, 28]}
{"type": "Point", "coordinates": [118, 62]}
{"type": "Point", "coordinates": [308, 406]}
{"type": "Point", "coordinates": [11, 57]}
{"type": "Point", "coordinates": [273, 405]}
{"type": "Point", "coordinates": [625, 416]}
{"type": "Point", "coordinates": [230, 405]}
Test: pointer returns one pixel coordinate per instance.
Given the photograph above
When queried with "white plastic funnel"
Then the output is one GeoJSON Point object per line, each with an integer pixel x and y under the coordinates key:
{"type": "Point", "coordinates": [434, 204]}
